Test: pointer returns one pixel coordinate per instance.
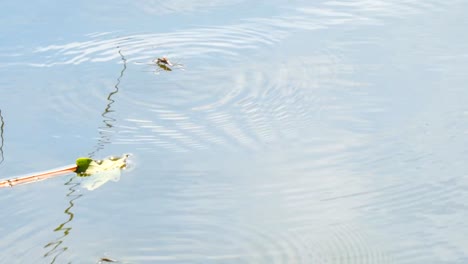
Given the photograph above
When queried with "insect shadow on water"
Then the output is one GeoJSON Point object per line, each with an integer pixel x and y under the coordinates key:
{"type": "Point", "coordinates": [56, 247]}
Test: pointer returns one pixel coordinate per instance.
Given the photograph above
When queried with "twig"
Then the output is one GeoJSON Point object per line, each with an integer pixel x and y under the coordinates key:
{"type": "Point", "coordinates": [37, 176]}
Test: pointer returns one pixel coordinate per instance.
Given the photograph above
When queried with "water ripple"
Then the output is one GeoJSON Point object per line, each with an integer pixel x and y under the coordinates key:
{"type": "Point", "coordinates": [229, 41]}
{"type": "Point", "coordinates": [232, 224]}
{"type": "Point", "coordinates": [226, 41]}
{"type": "Point", "coordinates": [252, 107]}
{"type": "Point", "coordinates": [303, 171]}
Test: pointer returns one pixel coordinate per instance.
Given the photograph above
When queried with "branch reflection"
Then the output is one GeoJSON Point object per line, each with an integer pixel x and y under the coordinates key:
{"type": "Point", "coordinates": [56, 247]}
{"type": "Point", "coordinates": [107, 120]}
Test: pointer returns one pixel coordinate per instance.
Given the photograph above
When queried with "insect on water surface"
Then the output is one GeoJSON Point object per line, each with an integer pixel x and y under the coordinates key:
{"type": "Point", "coordinates": [163, 61]}
{"type": "Point", "coordinates": [164, 64]}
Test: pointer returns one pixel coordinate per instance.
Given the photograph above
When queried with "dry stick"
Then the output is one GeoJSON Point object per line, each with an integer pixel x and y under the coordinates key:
{"type": "Point", "coordinates": [38, 176]}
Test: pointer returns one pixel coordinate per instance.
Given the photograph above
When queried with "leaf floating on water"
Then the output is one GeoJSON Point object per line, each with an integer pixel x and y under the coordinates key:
{"type": "Point", "coordinates": [101, 171]}
{"type": "Point", "coordinates": [90, 167]}
{"type": "Point", "coordinates": [95, 181]}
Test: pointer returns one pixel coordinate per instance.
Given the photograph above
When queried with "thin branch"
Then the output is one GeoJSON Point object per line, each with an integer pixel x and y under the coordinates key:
{"type": "Point", "coordinates": [37, 176]}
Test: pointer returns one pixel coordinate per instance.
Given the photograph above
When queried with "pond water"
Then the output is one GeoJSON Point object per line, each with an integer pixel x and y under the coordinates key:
{"type": "Point", "coordinates": [295, 131]}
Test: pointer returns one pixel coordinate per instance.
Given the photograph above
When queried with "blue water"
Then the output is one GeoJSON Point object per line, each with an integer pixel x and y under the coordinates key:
{"type": "Point", "coordinates": [293, 132]}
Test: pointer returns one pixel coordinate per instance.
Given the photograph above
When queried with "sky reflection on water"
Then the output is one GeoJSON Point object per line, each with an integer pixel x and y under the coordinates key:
{"type": "Point", "coordinates": [298, 132]}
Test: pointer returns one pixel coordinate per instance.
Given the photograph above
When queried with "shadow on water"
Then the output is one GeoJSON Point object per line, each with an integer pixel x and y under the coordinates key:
{"type": "Point", "coordinates": [56, 247]}
{"type": "Point", "coordinates": [104, 136]}
{"type": "Point", "coordinates": [2, 125]}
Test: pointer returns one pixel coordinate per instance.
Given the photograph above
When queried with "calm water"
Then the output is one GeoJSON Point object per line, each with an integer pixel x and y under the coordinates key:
{"type": "Point", "coordinates": [296, 132]}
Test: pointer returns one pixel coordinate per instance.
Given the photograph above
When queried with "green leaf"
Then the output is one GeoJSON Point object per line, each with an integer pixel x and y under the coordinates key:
{"type": "Point", "coordinates": [82, 164]}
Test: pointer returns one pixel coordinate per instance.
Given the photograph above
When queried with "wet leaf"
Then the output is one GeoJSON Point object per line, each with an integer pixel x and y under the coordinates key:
{"type": "Point", "coordinates": [101, 171]}
{"type": "Point", "coordinates": [90, 167]}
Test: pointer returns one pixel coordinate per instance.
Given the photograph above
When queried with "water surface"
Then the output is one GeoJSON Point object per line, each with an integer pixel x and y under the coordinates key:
{"type": "Point", "coordinates": [296, 132]}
